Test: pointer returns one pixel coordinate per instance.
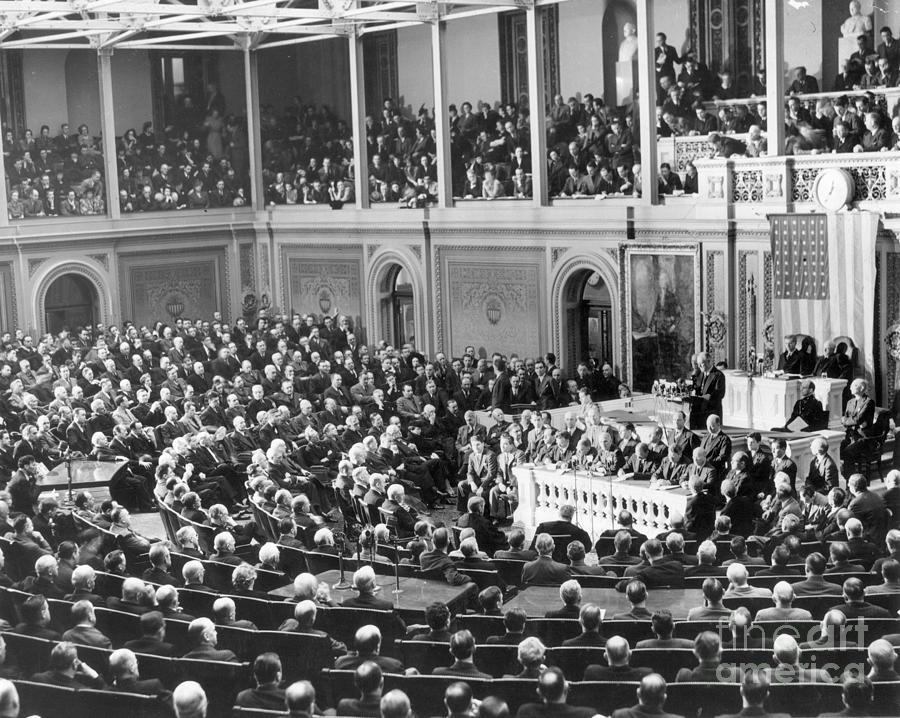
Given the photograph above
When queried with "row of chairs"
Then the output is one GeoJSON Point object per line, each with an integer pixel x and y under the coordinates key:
{"type": "Point", "coordinates": [50, 701]}
{"type": "Point", "coordinates": [693, 700]}
{"type": "Point", "coordinates": [553, 631]}
{"type": "Point", "coordinates": [498, 660]}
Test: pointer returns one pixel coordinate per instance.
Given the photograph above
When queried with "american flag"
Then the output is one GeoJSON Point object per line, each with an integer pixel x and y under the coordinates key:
{"type": "Point", "coordinates": [800, 256]}
{"type": "Point", "coordinates": [823, 276]}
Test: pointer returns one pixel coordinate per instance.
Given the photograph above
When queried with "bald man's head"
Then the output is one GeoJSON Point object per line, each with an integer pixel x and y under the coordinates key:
{"type": "Point", "coordinates": [9, 699]}
{"type": "Point", "coordinates": [786, 650]}
{"type": "Point", "coordinates": [617, 651]}
{"type": "Point", "coordinates": [299, 697]}
{"type": "Point", "coordinates": [652, 691]}
{"type": "Point", "coordinates": [189, 700]}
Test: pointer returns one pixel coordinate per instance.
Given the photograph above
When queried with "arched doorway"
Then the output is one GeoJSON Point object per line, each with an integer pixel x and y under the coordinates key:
{"type": "Point", "coordinates": [398, 306]}
{"type": "Point", "coordinates": [588, 318]}
{"type": "Point", "coordinates": [71, 301]}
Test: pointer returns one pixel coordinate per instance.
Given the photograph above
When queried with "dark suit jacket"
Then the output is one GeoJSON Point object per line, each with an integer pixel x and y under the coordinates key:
{"type": "Point", "coordinates": [554, 710]}
{"type": "Point", "coordinates": [148, 687]}
{"type": "Point", "coordinates": [362, 707]}
{"type": "Point", "coordinates": [467, 670]}
{"type": "Point", "coordinates": [563, 528]}
{"type": "Point", "coordinates": [545, 570]}
{"type": "Point", "coordinates": [205, 652]}
{"type": "Point", "coordinates": [596, 672]}
{"type": "Point", "coordinates": [151, 646]}
{"type": "Point", "coordinates": [266, 697]}
{"type": "Point", "coordinates": [712, 385]}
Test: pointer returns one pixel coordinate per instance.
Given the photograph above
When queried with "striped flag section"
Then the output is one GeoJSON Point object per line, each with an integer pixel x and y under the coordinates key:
{"type": "Point", "coordinates": [824, 278]}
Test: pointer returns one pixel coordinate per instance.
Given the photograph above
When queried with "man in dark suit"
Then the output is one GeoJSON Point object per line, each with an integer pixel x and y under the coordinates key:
{"type": "Point", "coordinates": [754, 691]}
{"type": "Point", "coordinates": [368, 643]}
{"type": "Point", "coordinates": [266, 695]}
{"type": "Point", "coordinates": [489, 537]}
{"type": "Point", "coordinates": [365, 585]}
{"type": "Point", "coordinates": [563, 527]}
{"type": "Point", "coordinates": [153, 637]}
{"type": "Point", "coordinates": [570, 594]}
{"type": "Point", "coordinates": [617, 668]}
{"type": "Point", "coordinates": [369, 681]}
{"type": "Point", "coordinates": [868, 507]}
{"type": "Point", "coordinates": [462, 648]}
{"type": "Point", "coordinates": [790, 361]}
{"type": "Point", "coordinates": [651, 697]}
{"type": "Point", "coordinates": [85, 632]}
{"type": "Point", "coordinates": [437, 560]}
{"type": "Point", "coordinates": [67, 671]}
{"type": "Point", "coordinates": [544, 569]}
{"type": "Point", "coordinates": [855, 604]}
{"type": "Point", "coordinates": [815, 584]}
{"type": "Point", "coordinates": [590, 618]}
{"type": "Point", "coordinates": [123, 667]}
{"type": "Point", "coordinates": [658, 571]}
{"type": "Point", "coordinates": [700, 514]}
{"type": "Point", "coordinates": [808, 408]}
{"type": "Point", "coordinates": [203, 639]}
{"type": "Point", "coordinates": [514, 622]}
{"type": "Point", "coordinates": [858, 422]}
{"type": "Point", "coordinates": [709, 390]}
{"type": "Point", "coordinates": [553, 689]}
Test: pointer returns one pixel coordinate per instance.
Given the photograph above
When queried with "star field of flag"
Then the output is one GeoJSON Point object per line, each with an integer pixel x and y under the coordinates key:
{"type": "Point", "coordinates": [800, 256]}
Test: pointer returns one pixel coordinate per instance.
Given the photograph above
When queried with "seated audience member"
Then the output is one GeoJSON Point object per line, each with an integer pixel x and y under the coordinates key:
{"type": "Point", "coordinates": [462, 649]}
{"type": "Point", "coordinates": [882, 659]}
{"type": "Point", "coordinates": [437, 618]}
{"type": "Point", "coordinates": [490, 601]}
{"type": "Point", "coordinates": [553, 689]}
{"type": "Point", "coordinates": [369, 681]}
{"type": "Point", "coordinates": [708, 650]}
{"type": "Point", "coordinates": [189, 700]}
{"type": "Point", "coordinates": [35, 615]}
{"type": "Point", "coordinates": [621, 557]}
{"type": "Point", "coordinates": [304, 621]}
{"type": "Point", "coordinates": [861, 551]}
{"type": "Point", "coordinates": [892, 540]}
{"type": "Point", "coordinates": [712, 608]}
{"type": "Point", "coordinates": [300, 699]}
{"type": "Point", "coordinates": [831, 633]}
{"type": "Point", "coordinates": [656, 571]}
{"type": "Point", "coordinates": [738, 586]}
{"type": "Point", "coordinates": [202, 638]}
{"type": "Point", "coordinates": [531, 655]}
{"type": "Point", "coordinates": [367, 642]}
{"type": "Point", "coordinates": [194, 574]}
{"type": "Point", "coordinates": [224, 613]}
{"type": "Point", "coordinates": [366, 587]}
{"type": "Point", "coordinates": [437, 560]}
{"type": "Point", "coordinates": [67, 671]}
{"type": "Point", "coordinates": [46, 570]}
{"type": "Point", "coordinates": [857, 694]}
{"type": "Point", "coordinates": [781, 556]}
{"type": "Point", "coordinates": [576, 555]}
{"type": "Point", "coordinates": [153, 637]}
{"type": "Point", "coordinates": [83, 581]}
{"type": "Point", "coordinates": [489, 537]}
{"type": "Point", "coordinates": [789, 668]}
{"type": "Point", "coordinates": [783, 597]}
{"type": "Point", "coordinates": [636, 593]}
{"type": "Point", "coordinates": [517, 550]}
{"type": "Point", "coordinates": [740, 625]}
{"type": "Point", "coordinates": [394, 704]}
{"type": "Point", "coordinates": [618, 654]}
{"type": "Point", "coordinates": [167, 603]}
{"type": "Point", "coordinates": [267, 695]}
{"type": "Point", "coordinates": [123, 669]}
{"type": "Point", "coordinates": [590, 618]}
{"type": "Point", "coordinates": [161, 566]}
{"type": "Point", "coordinates": [570, 595]}
{"type": "Point", "coordinates": [563, 526]}
{"type": "Point", "coordinates": [855, 604]}
{"type": "Point", "coordinates": [706, 562]}
{"type": "Point", "coordinates": [458, 700]}
{"type": "Point", "coordinates": [85, 632]}
{"type": "Point", "coordinates": [841, 562]}
{"type": "Point", "coordinates": [754, 692]}
{"type": "Point", "coordinates": [890, 572]}
{"type": "Point", "coordinates": [514, 622]}
{"type": "Point", "coordinates": [544, 570]}
{"type": "Point", "coordinates": [815, 584]}
{"type": "Point", "coordinates": [675, 546]}
{"type": "Point", "coordinates": [700, 514]}
{"type": "Point", "coordinates": [663, 626]}
{"type": "Point", "coordinates": [651, 697]}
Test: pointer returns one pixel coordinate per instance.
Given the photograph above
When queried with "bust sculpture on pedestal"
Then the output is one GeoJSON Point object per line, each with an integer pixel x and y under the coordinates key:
{"type": "Point", "coordinates": [857, 24]}
{"type": "Point", "coordinates": [629, 45]}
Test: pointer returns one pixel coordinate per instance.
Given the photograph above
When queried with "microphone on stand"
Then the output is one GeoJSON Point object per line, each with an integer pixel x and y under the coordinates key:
{"type": "Point", "coordinates": [340, 541]}
{"type": "Point", "coordinates": [397, 590]}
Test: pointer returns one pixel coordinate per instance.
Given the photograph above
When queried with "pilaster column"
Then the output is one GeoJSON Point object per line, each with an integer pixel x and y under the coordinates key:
{"type": "Point", "coordinates": [441, 125]}
{"type": "Point", "coordinates": [108, 130]}
{"type": "Point", "coordinates": [647, 102]}
{"type": "Point", "coordinates": [358, 111]}
{"type": "Point", "coordinates": [774, 21]}
{"type": "Point", "coordinates": [536, 105]}
{"type": "Point", "coordinates": [254, 138]}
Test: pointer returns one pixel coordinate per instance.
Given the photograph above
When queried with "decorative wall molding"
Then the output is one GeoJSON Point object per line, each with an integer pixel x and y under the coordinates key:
{"type": "Point", "coordinates": [742, 289]}
{"type": "Point", "coordinates": [371, 249]}
{"type": "Point", "coordinates": [8, 299]}
{"type": "Point", "coordinates": [34, 263]}
{"type": "Point", "coordinates": [556, 253]}
{"type": "Point", "coordinates": [319, 253]}
{"type": "Point", "coordinates": [101, 259]}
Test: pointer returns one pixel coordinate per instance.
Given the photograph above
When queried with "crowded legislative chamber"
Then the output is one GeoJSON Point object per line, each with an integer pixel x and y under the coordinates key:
{"type": "Point", "coordinates": [461, 358]}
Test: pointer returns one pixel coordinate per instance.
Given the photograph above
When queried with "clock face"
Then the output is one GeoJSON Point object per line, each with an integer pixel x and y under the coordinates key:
{"type": "Point", "coordinates": [833, 189]}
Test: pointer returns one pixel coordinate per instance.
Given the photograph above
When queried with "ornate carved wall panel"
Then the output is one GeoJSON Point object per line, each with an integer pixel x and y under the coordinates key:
{"type": "Point", "coordinates": [754, 306]}
{"type": "Point", "coordinates": [8, 306]}
{"type": "Point", "coordinates": [491, 300]}
{"type": "Point", "coordinates": [716, 303]}
{"type": "Point", "coordinates": [728, 35]}
{"type": "Point", "coordinates": [324, 280]}
{"type": "Point", "coordinates": [892, 322]}
{"type": "Point", "coordinates": [156, 286]}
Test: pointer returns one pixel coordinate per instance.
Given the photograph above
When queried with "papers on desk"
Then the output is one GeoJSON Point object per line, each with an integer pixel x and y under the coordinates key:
{"type": "Point", "coordinates": [667, 487]}
{"type": "Point", "coordinates": [624, 477]}
{"type": "Point", "coordinates": [798, 425]}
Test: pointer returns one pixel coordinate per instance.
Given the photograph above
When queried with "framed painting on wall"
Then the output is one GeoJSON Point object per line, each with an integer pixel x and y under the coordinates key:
{"type": "Point", "coordinates": [661, 312]}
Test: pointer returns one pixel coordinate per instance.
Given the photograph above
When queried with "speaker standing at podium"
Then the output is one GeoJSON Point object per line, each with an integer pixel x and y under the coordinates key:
{"type": "Point", "coordinates": [709, 390]}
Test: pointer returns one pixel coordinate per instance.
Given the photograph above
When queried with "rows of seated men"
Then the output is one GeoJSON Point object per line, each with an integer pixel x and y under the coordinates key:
{"type": "Point", "coordinates": [709, 657]}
